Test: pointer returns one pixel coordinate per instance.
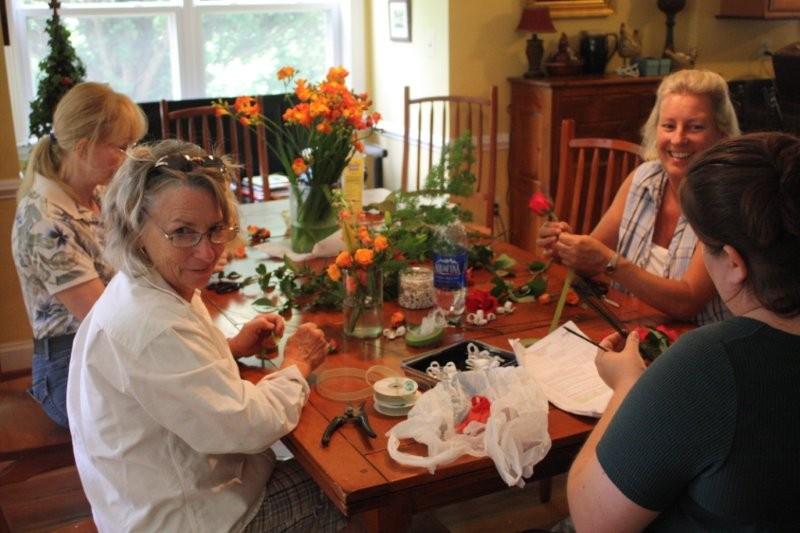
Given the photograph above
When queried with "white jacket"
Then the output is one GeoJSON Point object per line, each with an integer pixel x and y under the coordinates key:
{"type": "Point", "coordinates": [167, 436]}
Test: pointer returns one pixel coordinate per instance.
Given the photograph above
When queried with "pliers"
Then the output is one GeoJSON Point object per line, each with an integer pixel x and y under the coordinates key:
{"type": "Point", "coordinates": [357, 415]}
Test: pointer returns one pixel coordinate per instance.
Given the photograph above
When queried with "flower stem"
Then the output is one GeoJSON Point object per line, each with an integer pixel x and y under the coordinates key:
{"type": "Point", "coordinates": [562, 299]}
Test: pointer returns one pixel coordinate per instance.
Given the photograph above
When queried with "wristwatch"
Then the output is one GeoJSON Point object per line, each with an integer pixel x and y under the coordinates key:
{"type": "Point", "coordinates": [611, 266]}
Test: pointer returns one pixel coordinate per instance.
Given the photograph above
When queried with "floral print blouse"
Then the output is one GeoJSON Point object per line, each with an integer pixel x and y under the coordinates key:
{"type": "Point", "coordinates": [57, 244]}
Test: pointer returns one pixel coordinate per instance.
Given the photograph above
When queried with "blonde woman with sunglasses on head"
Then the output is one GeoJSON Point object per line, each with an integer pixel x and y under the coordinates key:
{"type": "Point", "coordinates": [57, 237]}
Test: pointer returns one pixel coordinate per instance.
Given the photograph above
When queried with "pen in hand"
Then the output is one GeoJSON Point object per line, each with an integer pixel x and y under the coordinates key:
{"type": "Point", "coordinates": [584, 337]}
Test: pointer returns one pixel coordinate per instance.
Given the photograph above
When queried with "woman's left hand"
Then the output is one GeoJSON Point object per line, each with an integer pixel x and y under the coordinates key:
{"type": "Point", "coordinates": [257, 335]}
{"type": "Point", "coordinates": [584, 253]}
{"type": "Point", "coordinates": [621, 362]}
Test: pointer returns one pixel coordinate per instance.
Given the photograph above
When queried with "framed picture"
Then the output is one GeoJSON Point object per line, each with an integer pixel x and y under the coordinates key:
{"type": "Point", "coordinates": [574, 8]}
{"type": "Point", "coordinates": [400, 20]}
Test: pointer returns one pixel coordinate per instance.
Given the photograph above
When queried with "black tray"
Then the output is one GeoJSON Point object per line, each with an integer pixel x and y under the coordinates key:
{"type": "Point", "coordinates": [457, 353]}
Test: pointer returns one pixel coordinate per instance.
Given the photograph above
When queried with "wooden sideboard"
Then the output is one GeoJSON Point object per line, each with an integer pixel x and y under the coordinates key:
{"type": "Point", "coordinates": [602, 106]}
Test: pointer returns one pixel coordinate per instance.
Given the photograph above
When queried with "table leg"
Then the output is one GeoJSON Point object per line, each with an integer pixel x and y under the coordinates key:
{"type": "Point", "coordinates": [394, 516]}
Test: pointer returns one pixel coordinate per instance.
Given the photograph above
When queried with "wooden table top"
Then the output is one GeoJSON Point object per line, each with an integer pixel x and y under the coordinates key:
{"type": "Point", "coordinates": [356, 472]}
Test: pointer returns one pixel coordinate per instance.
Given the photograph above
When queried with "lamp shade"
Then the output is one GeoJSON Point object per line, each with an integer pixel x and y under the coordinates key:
{"type": "Point", "coordinates": [536, 20]}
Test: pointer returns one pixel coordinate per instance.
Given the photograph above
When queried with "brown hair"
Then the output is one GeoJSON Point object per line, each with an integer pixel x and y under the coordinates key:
{"type": "Point", "coordinates": [745, 192]}
{"type": "Point", "coordinates": [90, 111]}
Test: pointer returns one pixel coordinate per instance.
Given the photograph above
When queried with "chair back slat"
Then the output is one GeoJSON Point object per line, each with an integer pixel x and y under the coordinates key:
{"type": "Point", "coordinates": [443, 120]}
{"type": "Point", "coordinates": [222, 134]}
{"type": "Point", "coordinates": [584, 194]}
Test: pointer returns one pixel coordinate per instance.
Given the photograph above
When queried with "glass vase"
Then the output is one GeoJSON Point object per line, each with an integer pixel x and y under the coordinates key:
{"type": "Point", "coordinates": [312, 216]}
{"type": "Point", "coordinates": [363, 302]}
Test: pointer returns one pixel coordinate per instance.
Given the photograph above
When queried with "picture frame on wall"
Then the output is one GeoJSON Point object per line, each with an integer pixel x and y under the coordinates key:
{"type": "Point", "coordinates": [574, 8]}
{"type": "Point", "coordinates": [400, 20]}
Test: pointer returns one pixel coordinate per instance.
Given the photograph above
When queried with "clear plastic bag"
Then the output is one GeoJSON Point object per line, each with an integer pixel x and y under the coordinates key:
{"type": "Point", "coordinates": [515, 435]}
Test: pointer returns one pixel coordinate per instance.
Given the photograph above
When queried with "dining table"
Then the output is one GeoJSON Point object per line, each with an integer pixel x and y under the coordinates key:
{"type": "Point", "coordinates": [356, 472]}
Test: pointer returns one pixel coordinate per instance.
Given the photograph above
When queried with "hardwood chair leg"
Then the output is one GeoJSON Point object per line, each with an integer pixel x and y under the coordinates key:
{"type": "Point", "coordinates": [545, 488]}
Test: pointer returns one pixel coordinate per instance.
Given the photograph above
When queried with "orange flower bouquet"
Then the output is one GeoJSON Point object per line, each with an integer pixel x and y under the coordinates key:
{"type": "Point", "coordinates": [318, 137]}
{"type": "Point", "coordinates": [360, 269]}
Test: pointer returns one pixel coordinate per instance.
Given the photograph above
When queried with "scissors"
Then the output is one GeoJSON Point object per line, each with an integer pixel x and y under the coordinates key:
{"type": "Point", "coordinates": [356, 415]}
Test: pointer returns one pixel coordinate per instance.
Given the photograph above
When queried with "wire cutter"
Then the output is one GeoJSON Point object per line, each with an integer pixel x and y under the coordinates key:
{"type": "Point", "coordinates": [356, 415]}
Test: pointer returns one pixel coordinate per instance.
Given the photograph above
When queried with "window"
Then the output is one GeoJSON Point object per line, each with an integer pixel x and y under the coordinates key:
{"type": "Point", "coordinates": [173, 49]}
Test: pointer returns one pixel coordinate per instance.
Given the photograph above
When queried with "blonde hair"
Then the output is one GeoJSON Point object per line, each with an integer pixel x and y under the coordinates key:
{"type": "Point", "coordinates": [134, 190]}
{"type": "Point", "coordinates": [698, 82]}
{"type": "Point", "coordinates": [89, 111]}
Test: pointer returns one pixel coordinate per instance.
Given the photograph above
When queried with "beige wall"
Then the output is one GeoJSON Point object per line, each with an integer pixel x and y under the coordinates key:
{"type": "Point", "coordinates": [14, 328]}
{"type": "Point", "coordinates": [478, 47]}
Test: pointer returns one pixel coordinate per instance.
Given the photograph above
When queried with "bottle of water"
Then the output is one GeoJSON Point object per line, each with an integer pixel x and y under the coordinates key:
{"type": "Point", "coordinates": [450, 270]}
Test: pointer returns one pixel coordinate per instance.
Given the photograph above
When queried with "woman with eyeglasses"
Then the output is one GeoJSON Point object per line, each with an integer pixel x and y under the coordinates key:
{"type": "Point", "coordinates": [166, 435]}
{"type": "Point", "coordinates": [708, 437]}
{"type": "Point", "coordinates": [57, 237]}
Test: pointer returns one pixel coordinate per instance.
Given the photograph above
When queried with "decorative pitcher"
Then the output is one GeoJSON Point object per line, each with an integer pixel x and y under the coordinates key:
{"type": "Point", "coordinates": [596, 50]}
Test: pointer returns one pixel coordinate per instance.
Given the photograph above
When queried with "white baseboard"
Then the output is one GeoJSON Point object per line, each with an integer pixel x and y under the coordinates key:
{"type": "Point", "coordinates": [16, 355]}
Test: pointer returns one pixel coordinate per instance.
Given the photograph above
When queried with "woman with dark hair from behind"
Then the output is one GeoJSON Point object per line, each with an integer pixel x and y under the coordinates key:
{"type": "Point", "coordinates": [707, 438]}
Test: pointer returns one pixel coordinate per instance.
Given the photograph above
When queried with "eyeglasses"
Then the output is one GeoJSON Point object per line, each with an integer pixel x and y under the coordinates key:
{"type": "Point", "coordinates": [188, 239]}
{"type": "Point", "coordinates": [187, 163]}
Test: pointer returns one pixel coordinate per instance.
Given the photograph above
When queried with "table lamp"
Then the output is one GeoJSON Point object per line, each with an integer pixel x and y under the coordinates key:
{"type": "Point", "coordinates": [535, 20]}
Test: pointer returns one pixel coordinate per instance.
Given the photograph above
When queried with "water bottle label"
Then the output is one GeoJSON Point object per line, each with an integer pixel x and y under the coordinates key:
{"type": "Point", "coordinates": [450, 271]}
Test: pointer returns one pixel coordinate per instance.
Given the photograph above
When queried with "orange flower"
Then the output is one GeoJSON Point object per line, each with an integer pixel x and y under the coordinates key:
{"type": "Point", "coordinates": [344, 260]}
{"type": "Point", "coordinates": [364, 257]}
{"type": "Point", "coordinates": [543, 298]}
{"type": "Point", "coordinates": [572, 297]}
{"type": "Point", "coordinates": [334, 273]}
{"type": "Point", "coordinates": [285, 72]}
{"type": "Point", "coordinates": [381, 243]}
{"type": "Point", "coordinates": [345, 215]}
{"type": "Point", "coordinates": [363, 236]}
{"type": "Point", "coordinates": [337, 74]}
{"type": "Point", "coordinates": [359, 146]}
{"type": "Point", "coordinates": [397, 319]}
{"type": "Point", "coordinates": [324, 128]}
{"type": "Point", "coordinates": [244, 121]}
{"type": "Point", "coordinates": [221, 111]}
{"type": "Point", "coordinates": [245, 104]}
{"type": "Point", "coordinates": [302, 91]}
{"type": "Point", "coordinates": [299, 166]}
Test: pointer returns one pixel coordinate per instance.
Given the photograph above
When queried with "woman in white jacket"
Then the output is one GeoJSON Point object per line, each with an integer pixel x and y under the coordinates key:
{"type": "Point", "coordinates": [167, 436]}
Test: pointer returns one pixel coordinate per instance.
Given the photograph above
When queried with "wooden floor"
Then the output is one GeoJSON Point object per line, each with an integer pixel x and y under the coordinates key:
{"type": "Point", "coordinates": [510, 511]}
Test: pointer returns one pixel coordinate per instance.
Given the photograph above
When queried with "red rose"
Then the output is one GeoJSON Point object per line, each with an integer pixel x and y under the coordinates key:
{"type": "Point", "coordinates": [478, 299]}
{"type": "Point", "coordinates": [671, 334]}
{"type": "Point", "coordinates": [540, 204]}
{"type": "Point", "coordinates": [643, 333]}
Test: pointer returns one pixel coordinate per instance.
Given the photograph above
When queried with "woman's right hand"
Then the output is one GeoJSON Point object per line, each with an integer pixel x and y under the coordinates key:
{"type": "Point", "coordinates": [306, 349]}
{"type": "Point", "coordinates": [548, 236]}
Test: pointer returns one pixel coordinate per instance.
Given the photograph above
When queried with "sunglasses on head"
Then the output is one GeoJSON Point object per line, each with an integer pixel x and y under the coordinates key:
{"type": "Point", "coordinates": [187, 163]}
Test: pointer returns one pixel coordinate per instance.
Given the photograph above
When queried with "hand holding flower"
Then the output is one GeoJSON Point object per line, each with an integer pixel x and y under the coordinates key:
{"type": "Point", "coordinates": [306, 349]}
{"type": "Point", "coordinates": [582, 253]}
{"type": "Point", "coordinates": [623, 366]}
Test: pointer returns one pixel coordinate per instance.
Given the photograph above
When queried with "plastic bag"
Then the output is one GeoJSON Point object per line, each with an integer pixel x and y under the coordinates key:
{"type": "Point", "coordinates": [515, 435]}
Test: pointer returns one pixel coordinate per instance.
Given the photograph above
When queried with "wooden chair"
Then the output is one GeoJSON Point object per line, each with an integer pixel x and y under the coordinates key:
{"type": "Point", "coordinates": [30, 443]}
{"type": "Point", "coordinates": [201, 125]}
{"type": "Point", "coordinates": [435, 121]}
{"type": "Point", "coordinates": [591, 171]}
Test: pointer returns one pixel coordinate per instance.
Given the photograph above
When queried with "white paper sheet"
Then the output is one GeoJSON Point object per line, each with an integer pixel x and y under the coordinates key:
{"type": "Point", "coordinates": [563, 364]}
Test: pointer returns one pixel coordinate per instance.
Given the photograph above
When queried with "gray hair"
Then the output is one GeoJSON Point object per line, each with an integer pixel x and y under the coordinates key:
{"type": "Point", "coordinates": [691, 81]}
{"type": "Point", "coordinates": [134, 189]}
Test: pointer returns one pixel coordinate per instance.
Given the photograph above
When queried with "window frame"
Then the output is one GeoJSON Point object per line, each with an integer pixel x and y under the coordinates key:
{"type": "Point", "coordinates": [185, 35]}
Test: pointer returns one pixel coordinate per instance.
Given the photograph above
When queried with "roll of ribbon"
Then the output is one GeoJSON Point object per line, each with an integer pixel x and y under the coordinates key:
{"type": "Point", "coordinates": [395, 390]}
